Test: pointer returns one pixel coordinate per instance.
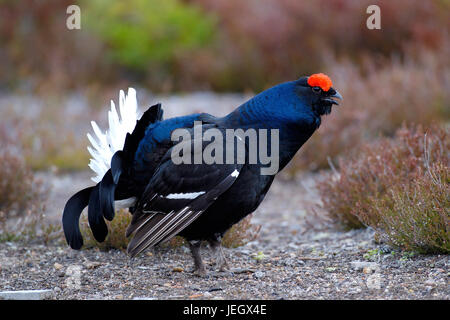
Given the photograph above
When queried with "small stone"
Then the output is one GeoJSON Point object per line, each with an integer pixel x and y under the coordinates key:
{"type": "Point", "coordinates": [241, 270]}
{"type": "Point", "coordinates": [374, 281]}
{"type": "Point", "coordinates": [26, 294]}
{"type": "Point", "coordinates": [320, 236]}
{"type": "Point", "coordinates": [92, 265]}
{"type": "Point", "coordinates": [57, 266]}
{"type": "Point", "coordinates": [177, 269]}
{"type": "Point", "coordinates": [360, 265]}
{"type": "Point", "coordinates": [368, 270]}
{"type": "Point", "coordinates": [430, 282]}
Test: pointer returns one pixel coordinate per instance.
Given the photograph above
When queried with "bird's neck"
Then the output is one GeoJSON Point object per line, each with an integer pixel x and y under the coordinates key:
{"type": "Point", "coordinates": [255, 114]}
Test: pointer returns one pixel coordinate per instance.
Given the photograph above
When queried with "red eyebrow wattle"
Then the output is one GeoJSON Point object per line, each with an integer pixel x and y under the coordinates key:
{"type": "Point", "coordinates": [320, 80]}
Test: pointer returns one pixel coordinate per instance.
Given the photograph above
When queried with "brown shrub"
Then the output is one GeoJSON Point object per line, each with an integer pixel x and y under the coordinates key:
{"type": "Point", "coordinates": [377, 103]}
{"type": "Point", "coordinates": [258, 42]}
{"type": "Point", "coordinates": [22, 197]}
{"type": "Point", "coordinates": [116, 232]}
{"type": "Point", "coordinates": [241, 233]}
{"type": "Point", "coordinates": [263, 42]}
{"type": "Point", "coordinates": [38, 51]}
{"type": "Point", "coordinates": [34, 126]}
{"type": "Point", "coordinates": [398, 186]}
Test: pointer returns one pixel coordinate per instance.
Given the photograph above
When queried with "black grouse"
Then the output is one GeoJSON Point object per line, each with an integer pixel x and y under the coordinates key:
{"type": "Point", "coordinates": [138, 166]}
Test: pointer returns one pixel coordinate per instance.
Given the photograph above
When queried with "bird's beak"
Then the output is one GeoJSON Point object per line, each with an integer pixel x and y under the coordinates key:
{"type": "Point", "coordinates": [332, 95]}
{"type": "Point", "coordinates": [336, 95]}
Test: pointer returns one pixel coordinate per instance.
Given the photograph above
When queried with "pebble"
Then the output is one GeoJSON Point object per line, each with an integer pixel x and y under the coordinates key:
{"type": "Point", "coordinates": [374, 281]}
{"type": "Point", "coordinates": [58, 266]}
{"type": "Point", "coordinates": [242, 270]}
{"type": "Point", "coordinates": [366, 267]}
{"type": "Point", "coordinates": [26, 294]}
{"type": "Point", "coordinates": [430, 282]}
{"type": "Point", "coordinates": [368, 270]}
{"type": "Point", "coordinates": [92, 265]}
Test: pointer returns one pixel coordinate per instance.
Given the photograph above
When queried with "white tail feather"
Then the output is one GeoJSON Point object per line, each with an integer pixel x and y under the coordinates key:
{"type": "Point", "coordinates": [104, 145]}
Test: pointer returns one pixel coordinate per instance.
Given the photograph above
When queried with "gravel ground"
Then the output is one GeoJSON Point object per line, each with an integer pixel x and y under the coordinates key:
{"type": "Point", "coordinates": [288, 260]}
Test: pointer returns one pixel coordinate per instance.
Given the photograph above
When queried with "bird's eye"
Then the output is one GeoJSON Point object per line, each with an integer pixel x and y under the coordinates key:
{"type": "Point", "coordinates": [316, 89]}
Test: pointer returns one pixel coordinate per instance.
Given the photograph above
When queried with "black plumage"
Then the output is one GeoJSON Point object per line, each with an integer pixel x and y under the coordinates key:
{"type": "Point", "coordinates": [197, 201]}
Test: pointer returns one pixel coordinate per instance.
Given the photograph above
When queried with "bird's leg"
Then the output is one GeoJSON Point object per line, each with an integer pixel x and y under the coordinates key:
{"type": "Point", "coordinates": [216, 246]}
{"type": "Point", "coordinates": [199, 267]}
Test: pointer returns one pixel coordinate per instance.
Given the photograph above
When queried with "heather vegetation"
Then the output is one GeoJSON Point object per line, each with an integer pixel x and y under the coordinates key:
{"type": "Point", "coordinates": [116, 232]}
{"type": "Point", "coordinates": [22, 197]}
{"type": "Point", "coordinates": [400, 187]}
{"type": "Point", "coordinates": [378, 103]}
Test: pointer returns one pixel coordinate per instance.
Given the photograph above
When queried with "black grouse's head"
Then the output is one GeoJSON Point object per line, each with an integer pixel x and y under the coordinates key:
{"type": "Point", "coordinates": [318, 92]}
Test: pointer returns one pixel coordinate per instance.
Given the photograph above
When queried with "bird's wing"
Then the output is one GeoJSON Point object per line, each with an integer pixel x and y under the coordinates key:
{"type": "Point", "coordinates": [176, 196]}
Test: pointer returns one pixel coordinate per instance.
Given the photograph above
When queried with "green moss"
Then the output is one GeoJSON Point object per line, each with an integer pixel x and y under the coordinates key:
{"type": "Point", "coordinates": [143, 33]}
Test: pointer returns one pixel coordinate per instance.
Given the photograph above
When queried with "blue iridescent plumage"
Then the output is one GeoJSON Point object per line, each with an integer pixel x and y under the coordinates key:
{"type": "Point", "coordinates": [196, 201]}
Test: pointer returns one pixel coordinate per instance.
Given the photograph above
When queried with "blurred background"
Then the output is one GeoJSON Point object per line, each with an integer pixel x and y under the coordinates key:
{"type": "Point", "coordinates": [210, 56]}
{"type": "Point", "coordinates": [399, 73]}
{"type": "Point", "coordinates": [185, 45]}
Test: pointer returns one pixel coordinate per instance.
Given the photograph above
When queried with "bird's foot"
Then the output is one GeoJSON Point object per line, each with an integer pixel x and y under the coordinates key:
{"type": "Point", "coordinates": [199, 267]}
{"type": "Point", "coordinates": [200, 271]}
{"type": "Point", "coordinates": [221, 261]}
